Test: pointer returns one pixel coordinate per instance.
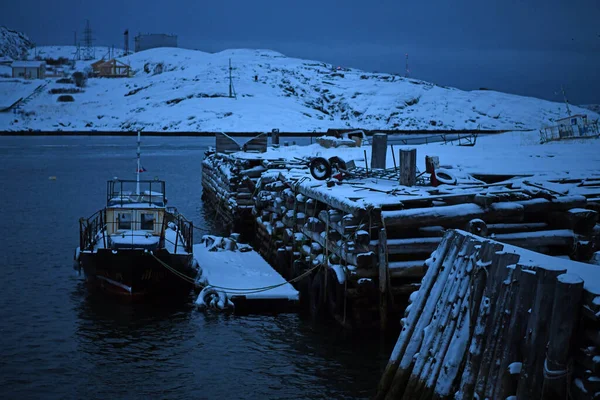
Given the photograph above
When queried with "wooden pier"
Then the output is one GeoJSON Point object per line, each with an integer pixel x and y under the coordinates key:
{"type": "Point", "coordinates": [236, 273]}
{"type": "Point", "coordinates": [493, 321]}
{"type": "Point", "coordinates": [372, 235]}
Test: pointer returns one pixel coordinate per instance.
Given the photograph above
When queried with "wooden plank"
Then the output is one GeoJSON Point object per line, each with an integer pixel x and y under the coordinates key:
{"type": "Point", "coordinates": [225, 143]}
{"type": "Point", "coordinates": [383, 278]}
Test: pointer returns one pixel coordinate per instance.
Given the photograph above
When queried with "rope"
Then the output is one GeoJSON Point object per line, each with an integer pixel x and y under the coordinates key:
{"type": "Point", "coordinates": [237, 290]}
{"type": "Point", "coordinates": [265, 288]}
{"type": "Point", "coordinates": [552, 375]}
{"type": "Point", "coordinates": [558, 373]}
{"type": "Point", "coordinates": [174, 271]}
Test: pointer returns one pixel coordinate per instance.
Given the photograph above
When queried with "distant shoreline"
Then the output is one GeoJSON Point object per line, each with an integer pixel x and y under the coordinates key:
{"type": "Point", "coordinates": [251, 134]}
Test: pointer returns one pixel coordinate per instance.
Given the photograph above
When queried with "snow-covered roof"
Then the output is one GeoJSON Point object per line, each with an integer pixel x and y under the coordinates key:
{"type": "Point", "coordinates": [28, 64]}
{"type": "Point", "coordinates": [572, 116]}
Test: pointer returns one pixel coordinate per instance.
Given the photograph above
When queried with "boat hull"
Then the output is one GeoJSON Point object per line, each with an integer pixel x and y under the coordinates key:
{"type": "Point", "coordinates": [135, 274]}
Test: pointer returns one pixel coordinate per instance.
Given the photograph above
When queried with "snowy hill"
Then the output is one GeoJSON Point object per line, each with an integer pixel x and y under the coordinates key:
{"type": "Point", "coordinates": [13, 44]}
{"type": "Point", "coordinates": [593, 107]}
{"type": "Point", "coordinates": [187, 90]}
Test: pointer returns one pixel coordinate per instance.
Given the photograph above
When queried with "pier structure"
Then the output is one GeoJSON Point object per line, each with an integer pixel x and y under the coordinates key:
{"type": "Point", "coordinates": [495, 321]}
{"type": "Point", "coordinates": [372, 236]}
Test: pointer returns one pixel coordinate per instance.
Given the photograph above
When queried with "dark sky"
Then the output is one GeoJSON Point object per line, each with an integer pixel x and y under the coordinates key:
{"type": "Point", "coordinates": [528, 47]}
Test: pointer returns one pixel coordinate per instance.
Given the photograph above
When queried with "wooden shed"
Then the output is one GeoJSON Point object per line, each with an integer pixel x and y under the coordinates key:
{"type": "Point", "coordinates": [111, 68]}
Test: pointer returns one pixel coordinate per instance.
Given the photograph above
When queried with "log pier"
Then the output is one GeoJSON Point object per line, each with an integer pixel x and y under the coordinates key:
{"type": "Point", "coordinates": [373, 238]}
{"type": "Point", "coordinates": [532, 332]}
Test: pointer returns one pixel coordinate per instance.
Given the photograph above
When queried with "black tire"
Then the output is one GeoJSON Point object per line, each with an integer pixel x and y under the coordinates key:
{"type": "Point", "coordinates": [320, 168]}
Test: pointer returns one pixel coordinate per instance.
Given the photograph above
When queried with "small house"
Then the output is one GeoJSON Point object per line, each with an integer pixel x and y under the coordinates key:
{"type": "Point", "coordinates": [111, 69]}
{"type": "Point", "coordinates": [573, 125]}
{"type": "Point", "coordinates": [29, 69]}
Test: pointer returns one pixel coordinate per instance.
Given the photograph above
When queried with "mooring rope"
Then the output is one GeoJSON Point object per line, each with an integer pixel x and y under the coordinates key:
{"type": "Point", "coordinates": [265, 288]}
{"type": "Point", "coordinates": [174, 271]}
{"type": "Point", "coordinates": [558, 374]}
{"type": "Point", "coordinates": [237, 290]}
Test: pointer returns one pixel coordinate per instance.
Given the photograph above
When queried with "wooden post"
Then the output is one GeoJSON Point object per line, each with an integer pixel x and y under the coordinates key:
{"type": "Point", "coordinates": [513, 351]}
{"type": "Point", "coordinates": [567, 298]}
{"type": "Point", "coordinates": [379, 151]}
{"type": "Point", "coordinates": [275, 137]}
{"type": "Point", "coordinates": [530, 381]}
{"type": "Point", "coordinates": [408, 167]}
{"type": "Point", "coordinates": [490, 367]}
{"type": "Point", "coordinates": [383, 278]}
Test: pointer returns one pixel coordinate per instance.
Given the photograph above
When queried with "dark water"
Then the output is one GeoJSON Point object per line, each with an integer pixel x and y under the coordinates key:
{"type": "Point", "coordinates": [58, 341]}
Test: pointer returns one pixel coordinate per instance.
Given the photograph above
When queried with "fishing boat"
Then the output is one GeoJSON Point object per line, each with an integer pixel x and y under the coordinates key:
{"type": "Point", "coordinates": [137, 246]}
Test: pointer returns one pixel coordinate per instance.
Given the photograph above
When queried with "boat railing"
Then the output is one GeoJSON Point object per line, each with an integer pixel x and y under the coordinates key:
{"type": "Point", "coordinates": [90, 228]}
{"type": "Point", "coordinates": [184, 227]}
{"type": "Point", "coordinates": [122, 192]}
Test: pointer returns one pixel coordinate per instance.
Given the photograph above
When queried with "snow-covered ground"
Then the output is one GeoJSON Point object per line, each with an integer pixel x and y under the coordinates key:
{"type": "Point", "coordinates": [186, 90]}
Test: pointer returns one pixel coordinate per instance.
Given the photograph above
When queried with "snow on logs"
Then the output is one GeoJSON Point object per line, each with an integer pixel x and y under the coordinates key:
{"type": "Point", "coordinates": [462, 334]}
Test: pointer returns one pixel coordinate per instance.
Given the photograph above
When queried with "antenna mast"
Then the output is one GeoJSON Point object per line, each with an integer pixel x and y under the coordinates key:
{"type": "Point", "coordinates": [137, 187]}
{"type": "Point", "coordinates": [566, 101]}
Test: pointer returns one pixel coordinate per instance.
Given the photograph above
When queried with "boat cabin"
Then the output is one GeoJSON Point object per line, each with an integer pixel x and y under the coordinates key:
{"type": "Point", "coordinates": [136, 216]}
{"type": "Point", "coordinates": [135, 206]}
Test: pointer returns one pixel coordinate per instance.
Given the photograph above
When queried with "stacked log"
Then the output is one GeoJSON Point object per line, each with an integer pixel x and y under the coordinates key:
{"type": "Point", "coordinates": [586, 364]}
{"type": "Point", "coordinates": [312, 234]}
{"type": "Point", "coordinates": [485, 325]}
{"type": "Point", "coordinates": [549, 224]}
{"type": "Point", "coordinates": [228, 186]}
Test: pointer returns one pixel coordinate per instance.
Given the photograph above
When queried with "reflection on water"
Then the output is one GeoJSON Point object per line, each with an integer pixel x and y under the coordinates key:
{"type": "Point", "coordinates": [59, 340]}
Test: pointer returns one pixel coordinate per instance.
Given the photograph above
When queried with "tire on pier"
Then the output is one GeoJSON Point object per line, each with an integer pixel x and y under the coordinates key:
{"type": "Point", "coordinates": [320, 168]}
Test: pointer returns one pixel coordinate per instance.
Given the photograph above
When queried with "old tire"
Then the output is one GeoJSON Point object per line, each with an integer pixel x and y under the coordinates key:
{"type": "Point", "coordinates": [445, 177]}
{"type": "Point", "coordinates": [320, 168]}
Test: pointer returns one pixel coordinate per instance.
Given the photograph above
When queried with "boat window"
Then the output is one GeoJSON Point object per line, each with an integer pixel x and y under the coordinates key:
{"type": "Point", "coordinates": [147, 221]}
{"type": "Point", "coordinates": [124, 220]}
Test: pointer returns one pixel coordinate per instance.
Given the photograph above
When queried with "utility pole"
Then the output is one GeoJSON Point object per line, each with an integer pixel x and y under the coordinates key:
{"type": "Point", "coordinates": [88, 42]}
{"type": "Point", "coordinates": [126, 35]}
{"type": "Point", "coordinates": [407, 71]}
{"type": "Point", "coordinates": [231, 89]}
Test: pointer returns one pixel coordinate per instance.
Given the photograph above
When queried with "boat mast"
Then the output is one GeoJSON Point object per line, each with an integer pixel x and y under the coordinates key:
{"type": "Point", "coordinates": [137, 187]}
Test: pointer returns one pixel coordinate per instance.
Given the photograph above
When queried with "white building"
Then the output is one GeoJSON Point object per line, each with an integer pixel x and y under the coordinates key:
{"type": "Point", "coordinates": [29, 69]}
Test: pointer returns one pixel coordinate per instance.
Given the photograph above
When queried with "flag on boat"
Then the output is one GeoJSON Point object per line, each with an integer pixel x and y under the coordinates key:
{"type": "Point", "coordinates": [141, 169]}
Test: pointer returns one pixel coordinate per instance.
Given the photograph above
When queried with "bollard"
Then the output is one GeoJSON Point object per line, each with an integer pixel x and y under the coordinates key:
{"type": "Point", "coordinates": [275, 137]}
{"type": "Point", "coordinates": [408, 167]}
{"type": "Point", "coordinates": [379, 151]}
